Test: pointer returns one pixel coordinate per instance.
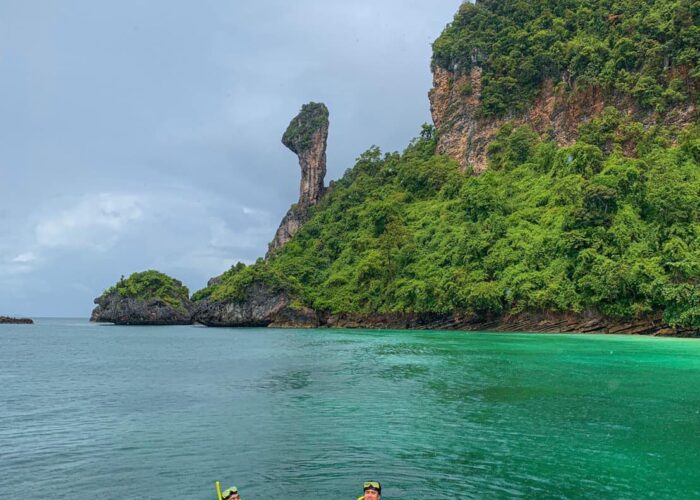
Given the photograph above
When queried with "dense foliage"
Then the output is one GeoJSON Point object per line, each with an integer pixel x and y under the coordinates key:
{"type": "Point", "coordinates": [647, 49]}
{"type": "Point", "coordinates": [235, 283]}
{"type": "Point", "coordinates": [152, 285]}
{"type": "Point", "coordinates": [300, 132]}
{"type": "Point", "coordinates": [544, 229]}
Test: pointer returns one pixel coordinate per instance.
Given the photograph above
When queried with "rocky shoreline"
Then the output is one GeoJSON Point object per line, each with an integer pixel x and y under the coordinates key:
{"type": "Point", "coordinates": [589, 322]}
{"type": "Point", "coordinates": [7, 320]}
{"type": "Point", "coordinates": [265, 306]}
{"type": "Point", "coordinates": [268, 310]}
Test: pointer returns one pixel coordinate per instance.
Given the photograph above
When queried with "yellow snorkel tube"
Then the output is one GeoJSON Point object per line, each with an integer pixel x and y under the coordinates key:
{"type": "Point", "coordinates": [218, 491]}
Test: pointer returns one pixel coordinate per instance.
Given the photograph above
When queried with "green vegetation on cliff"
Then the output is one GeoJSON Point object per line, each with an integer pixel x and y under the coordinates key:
{"type": "Point", "coordinates": [544, 229]}
{"type": "Point", "coordinates": [646, 49]}
{"type": "Point", "coordinates": [236, 282]}
{"type": "Point", "coordinates": [151, 285]}
{"type": "Point", "coordinates": [299, 134]}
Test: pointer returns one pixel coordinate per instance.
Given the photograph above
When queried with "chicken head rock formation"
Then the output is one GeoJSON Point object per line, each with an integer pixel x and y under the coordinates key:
{"type": "Point", "coordinates": [306, 136]}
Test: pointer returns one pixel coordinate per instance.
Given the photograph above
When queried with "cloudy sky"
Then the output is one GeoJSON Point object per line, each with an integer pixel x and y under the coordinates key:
{"type": "Point", "coordinates": [137, 135]}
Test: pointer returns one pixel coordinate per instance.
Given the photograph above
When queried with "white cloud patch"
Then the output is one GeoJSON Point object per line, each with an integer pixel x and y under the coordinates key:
{"type": "Point", "coordinates": [177, 228]}
{"type": "Point", "coordinates": [95, 222]}
{"type": "Point", "coordinates": [24, 258]}
{"type": "Point", "coordinates": [20, 264]}
{"type": "Point", "coordinates": [255, 212]}
{"type": "Point", "coordinates": [13, 269]}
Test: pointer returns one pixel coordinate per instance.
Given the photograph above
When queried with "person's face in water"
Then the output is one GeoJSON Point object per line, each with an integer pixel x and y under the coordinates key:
{"type": "Point", "coordinates": [372, 494]}
{"type": "Point", "coordinates": [233, 496]}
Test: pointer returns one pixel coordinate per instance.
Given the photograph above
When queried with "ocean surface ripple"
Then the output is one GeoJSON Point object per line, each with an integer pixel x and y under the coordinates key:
{"type": "Point", "coordinates": [163, 412]}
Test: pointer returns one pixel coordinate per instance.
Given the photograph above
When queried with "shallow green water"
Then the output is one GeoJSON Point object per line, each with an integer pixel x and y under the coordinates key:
{"type": "Point", "coordinates": [163, 412]}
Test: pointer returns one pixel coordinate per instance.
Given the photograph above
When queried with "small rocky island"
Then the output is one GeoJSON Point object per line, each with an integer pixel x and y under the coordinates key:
{"type": "Point", "coordinates": [147, 298]}
{"type": "Point", "coordinates": [7, 320]}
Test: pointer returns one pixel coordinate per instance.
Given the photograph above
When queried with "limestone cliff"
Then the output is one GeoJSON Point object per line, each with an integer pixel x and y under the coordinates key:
{"type": "Point", "coordinates": [556, 65]}
{"type": "Point", "coordinates": [306, 136]}
{"type": "Point", "coordinates": [262, 306]}
{"type": "Point", "coordinates": [557, 113]}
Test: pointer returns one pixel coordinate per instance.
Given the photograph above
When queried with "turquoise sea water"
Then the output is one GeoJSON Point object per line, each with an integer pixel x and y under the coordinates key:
{"type": "Point", "coordinates": [96, 411]}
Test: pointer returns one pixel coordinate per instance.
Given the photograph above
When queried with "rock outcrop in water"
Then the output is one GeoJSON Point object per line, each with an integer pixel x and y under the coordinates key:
{"type": "Point", "coordinates": [148, 298]}
{"type": "Point", "coordinates": [113, 308]}
{"type": "Point", "coordinates": [306, 136]}
{"type": "Point", "coordinates": [15, 321]}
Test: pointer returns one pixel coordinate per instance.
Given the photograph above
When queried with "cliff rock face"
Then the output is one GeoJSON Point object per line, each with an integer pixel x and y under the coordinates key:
{"type": "Point", "coordinates": [262, 306]}
{"type": "Point", "coordinates": [113, 308]}
{"type": "Point", "coordinates": [556, 113]}
{"type": "Point", "coordinates": [306, 136]}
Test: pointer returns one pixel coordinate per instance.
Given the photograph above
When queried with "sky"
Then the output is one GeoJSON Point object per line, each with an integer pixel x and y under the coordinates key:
{"type": "Point", "coordinates": [146, 135]}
